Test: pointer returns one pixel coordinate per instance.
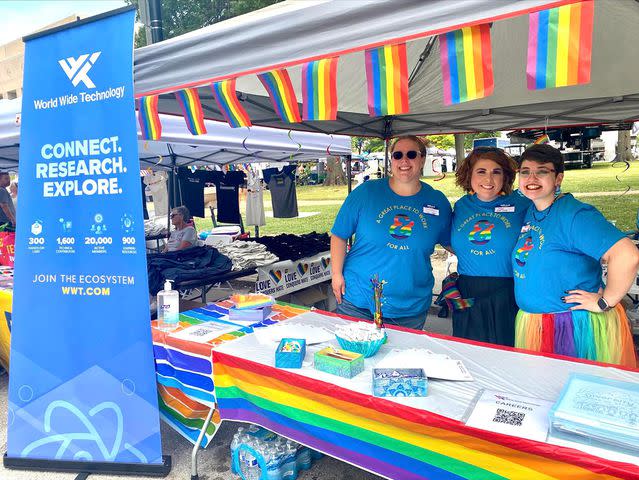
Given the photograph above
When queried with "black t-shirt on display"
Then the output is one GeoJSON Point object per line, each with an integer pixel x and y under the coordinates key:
{"type": "Point", "coordinates": [228, 203]}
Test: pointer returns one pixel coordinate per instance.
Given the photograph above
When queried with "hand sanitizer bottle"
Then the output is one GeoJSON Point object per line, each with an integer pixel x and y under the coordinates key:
{"type": "Point", "coordinates": [168, 308]}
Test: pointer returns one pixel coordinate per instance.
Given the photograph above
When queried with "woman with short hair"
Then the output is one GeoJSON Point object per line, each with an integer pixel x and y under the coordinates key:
{"type": "Point", "coordinates": [184, 235]}
{"type": "Point", "coordinates": [557, 270]}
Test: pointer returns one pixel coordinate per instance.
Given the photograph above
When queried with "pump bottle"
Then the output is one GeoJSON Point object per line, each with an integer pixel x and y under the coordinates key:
{"type": "Point", "coordinates": [168, 308]}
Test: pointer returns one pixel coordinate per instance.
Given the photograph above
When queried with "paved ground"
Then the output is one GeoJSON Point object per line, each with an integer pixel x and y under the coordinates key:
{"type": "Point", "coordinates": [214, 462]}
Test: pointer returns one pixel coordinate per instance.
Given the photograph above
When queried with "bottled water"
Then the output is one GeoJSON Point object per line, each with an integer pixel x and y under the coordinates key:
{"type": "Point", "coordinates": [249, 466]}
{"type": "Point", "coordinates": [272, 462]}
{"type": "Point", "coordinates": [289, 463]}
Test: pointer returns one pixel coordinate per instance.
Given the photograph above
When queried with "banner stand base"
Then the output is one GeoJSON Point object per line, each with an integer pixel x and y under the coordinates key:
{"type": "Point", "coordinates": [87, 468]}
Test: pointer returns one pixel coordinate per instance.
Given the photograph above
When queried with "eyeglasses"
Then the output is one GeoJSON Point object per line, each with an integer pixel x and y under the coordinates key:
{"type": "Point", "coordinates": [541, 173]}
{"type": "Point", "coordinates": [411, 155]}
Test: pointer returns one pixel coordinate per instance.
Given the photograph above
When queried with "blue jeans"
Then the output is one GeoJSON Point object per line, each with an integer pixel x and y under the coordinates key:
{"type": "Point", "coordinates": [347, 308]}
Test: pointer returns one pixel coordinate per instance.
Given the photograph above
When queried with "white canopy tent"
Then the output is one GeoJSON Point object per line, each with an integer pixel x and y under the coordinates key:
{"type": "Point", "coordinates": [291, 33]}
{"type": "Point", "coordinates": [221, 145]}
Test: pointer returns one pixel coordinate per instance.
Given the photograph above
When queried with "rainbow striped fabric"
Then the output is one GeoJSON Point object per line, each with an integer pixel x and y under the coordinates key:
{"type": "Point", "coordinates": [467, 65]}
{"type": "Point", "coordinates": [149, 118]}
{"type": "Point", "coordinates": [228, 103]}
{"type": "Point", "coordinates": [189, 101]}
{"type": "Point", "coordinates": [560, 46]}
{"type": "Point", "coordinates": [392, 440]}
{"type": "Point", "coordinates": [541, 140]}
{"type": "Point", "coordinates": [319, 89]}
{"type": "Point", "coordinates": [387, 79]}
{"type": "Point", "coordinates": [280, 90]}
{"type": "Point", "coordinates": [184, 369]}
{"type": "Point", "coordinates": [453, 296]}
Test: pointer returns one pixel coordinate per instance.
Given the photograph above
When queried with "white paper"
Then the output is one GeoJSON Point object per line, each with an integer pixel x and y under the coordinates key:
{"type": "Point", "coordinates": [275, 333]}
{"type": "Point", "coordinates": [435, 365]}
{"type": "Point", "coordinates": [204, 332]}
{"type": "Point", "coordinates": [516, 415]}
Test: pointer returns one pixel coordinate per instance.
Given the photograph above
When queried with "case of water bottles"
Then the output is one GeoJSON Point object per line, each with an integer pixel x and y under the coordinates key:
{"type": "Point", "coordinates": [259, 454]}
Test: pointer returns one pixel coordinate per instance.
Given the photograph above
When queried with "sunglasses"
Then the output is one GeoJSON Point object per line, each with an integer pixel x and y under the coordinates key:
{"type": "Point", "coordinates": [411, 155]}
{"type": "Point", "coordinates": [541, 173]}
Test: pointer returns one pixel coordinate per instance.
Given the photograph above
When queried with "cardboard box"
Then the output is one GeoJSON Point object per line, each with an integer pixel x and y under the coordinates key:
{"type": "Point", "coordinates": [339, 362]}
{"type": "Point", "coordinates": [399, 382]}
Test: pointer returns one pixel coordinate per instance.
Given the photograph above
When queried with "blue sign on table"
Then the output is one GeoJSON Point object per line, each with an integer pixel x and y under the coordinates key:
{"type": "Point", "coordinates": [82, 385]}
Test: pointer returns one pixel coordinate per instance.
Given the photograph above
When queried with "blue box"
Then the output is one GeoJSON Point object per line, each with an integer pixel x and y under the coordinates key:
{"type": "Point", "coordinates": [249, 314]}
{"type": "Point", "coordinates": [290, 353]}
{"type": "Point", "coordinates": [339, 362]}
{"type": "Point", "coordinates": [399, 382]}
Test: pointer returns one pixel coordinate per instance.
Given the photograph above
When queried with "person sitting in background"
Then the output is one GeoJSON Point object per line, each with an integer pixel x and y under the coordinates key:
{"type": "Point", "coordinates": [13, 189]}
{"type": "Point", "coordinates": [557, 270]}
{"type": "Point", "coordinates": [184, 235]}
{"type": "Point", "coordinates": [7, 209]}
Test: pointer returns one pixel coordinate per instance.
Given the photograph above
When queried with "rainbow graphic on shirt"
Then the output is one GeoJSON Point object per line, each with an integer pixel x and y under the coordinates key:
{"type": "Point", "coordinates": [521, 254]}
{"type": "Point", "coordinates": [481, 232]}
{"type": "Point", "coordinates": [402, 227]}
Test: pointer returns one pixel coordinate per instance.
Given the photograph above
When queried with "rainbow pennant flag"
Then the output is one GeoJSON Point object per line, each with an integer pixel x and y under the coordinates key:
{"type": "Point", "coordinates": [319, 89]}
{"type": "Point", "coordinates": [467, 64]}
{"type": "Point", "coordinates": [229, 105]}
{"type": "Point", "coordinates": [560, 46]}
{"type": "Point", "coordinates": [387, 78]}
{"type": "Point", "coordinates": [280, 90]}
{"type": "Point", "coordinates": [149, 118]}
{"type": "Point", "coordinates": [541, 140]}
{"type": "Point", "coordinates": [189, 101]}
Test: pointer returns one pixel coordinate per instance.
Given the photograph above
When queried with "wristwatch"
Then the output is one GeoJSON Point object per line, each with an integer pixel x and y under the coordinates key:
{"type": "Point", "coordinates": [603, 304]}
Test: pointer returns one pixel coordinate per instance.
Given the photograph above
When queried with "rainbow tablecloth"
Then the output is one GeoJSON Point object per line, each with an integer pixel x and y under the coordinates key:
{"type": "Point", "coordinates": [6, 299]}
{"type": "Point", "coordinates": [410, 438]}
{"type": "Point", "coordinates": [185, 372]}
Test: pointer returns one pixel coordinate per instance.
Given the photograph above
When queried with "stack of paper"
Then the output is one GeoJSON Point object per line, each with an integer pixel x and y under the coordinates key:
{"type": "Point", "coordinates": [435, 365]}
{"type": "Point", "coordinates": [597, 410]}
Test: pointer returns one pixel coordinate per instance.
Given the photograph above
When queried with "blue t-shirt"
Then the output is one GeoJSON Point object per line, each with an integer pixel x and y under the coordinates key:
{"type": "Point", "coordinates": [559, 249]}
{"type": "Point", "coordinates": [484, 233]}
{"type": "Point", "coordinates": [394, 238]}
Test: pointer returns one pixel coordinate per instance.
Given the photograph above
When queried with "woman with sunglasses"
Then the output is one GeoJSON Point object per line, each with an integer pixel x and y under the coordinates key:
{"type": "Point", "coordinates": [184, 235]}
{"type": "Point", "coordinates": [565, 309]}
{"type": "Point", "coordinates": [396, 222]}
{"type": "Point", "coordinates": [486, 223]}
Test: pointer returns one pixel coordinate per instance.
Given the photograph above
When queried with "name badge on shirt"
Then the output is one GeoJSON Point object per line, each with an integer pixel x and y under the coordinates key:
{"type": "Point", "coordinates": [525, 228]}
{"type": "Point", "coordinates": [430, 210]}
{"type": "Point", "coordinates": [504, 209]}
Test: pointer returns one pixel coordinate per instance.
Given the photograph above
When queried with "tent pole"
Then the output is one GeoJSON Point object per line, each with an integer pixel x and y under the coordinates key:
{"type": "Point", "coordinates": [172, 193]}
{"type": "Point", "coordinates": [348, 173]}
{"type": "Point", "coordinates": [385, 157]}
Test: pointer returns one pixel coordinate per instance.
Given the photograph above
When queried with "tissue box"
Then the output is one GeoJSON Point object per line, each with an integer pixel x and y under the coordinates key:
{"type": "Point", "coordinates": [339, 362]}
{"type": "Point", "coordinates": [249, 314]}
{"type": "Point", "coordinates": [290, 353]}
{"type": "Point", "coordinates": [399, 382]}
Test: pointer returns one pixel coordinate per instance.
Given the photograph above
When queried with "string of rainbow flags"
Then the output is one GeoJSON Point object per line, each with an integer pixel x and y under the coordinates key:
{"type": "Point", "coordinates": [559, 54]}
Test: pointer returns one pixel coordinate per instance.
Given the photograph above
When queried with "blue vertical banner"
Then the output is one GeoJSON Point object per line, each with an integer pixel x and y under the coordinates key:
{"type": "Point", "coordinates": [82, 385]}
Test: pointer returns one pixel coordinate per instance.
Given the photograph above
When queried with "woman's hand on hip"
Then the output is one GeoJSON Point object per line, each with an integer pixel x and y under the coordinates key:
{"type": "Point", "coordinates": [339, 286]}
{"type": "Point", "coordinates": [584, 300]}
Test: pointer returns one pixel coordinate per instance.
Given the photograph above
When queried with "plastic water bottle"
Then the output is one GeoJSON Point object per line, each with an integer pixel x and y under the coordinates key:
{"type": "Point", "coordinates": [272, 462]}
{"type": "Point", "coordinates": [303, 458]}
{"type": "Point", "coordinates": [249, 466]}
{"type": "Point", "coordinates": [238, 439]}
{"type": "Point", "coordinates": [289, 463]}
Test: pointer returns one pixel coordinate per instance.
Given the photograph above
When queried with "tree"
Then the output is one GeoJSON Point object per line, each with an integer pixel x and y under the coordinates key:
{"type": "Point", "coordinates": [183, 16]}
{"type": "Point", "coordinates": [335, 174]}
{"type": "Point", "coordinates": [442, 141]}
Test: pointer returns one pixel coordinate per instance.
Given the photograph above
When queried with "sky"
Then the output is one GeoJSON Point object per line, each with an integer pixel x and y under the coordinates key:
{"type": "Point", "coordinates": [19, 18]}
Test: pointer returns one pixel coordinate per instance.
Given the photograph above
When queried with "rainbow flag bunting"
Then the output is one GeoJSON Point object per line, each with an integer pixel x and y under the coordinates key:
{"type": "Point", "coordinates": [467, 64]}
{"type": "Point", "coordinates": [149, 118]}
{"type": "Point", "coordinates": [229, 105]}
{"type": "Point", "coordinates": [560, 46]}
{"type": "Point", "coordinates": [189, 101]}
{"type": "Point", "coordinates": [279, 88]}
{"type": "Point", "coordinates": [387, 78]}
{"type": "Point", "coordinates": [319, 89]}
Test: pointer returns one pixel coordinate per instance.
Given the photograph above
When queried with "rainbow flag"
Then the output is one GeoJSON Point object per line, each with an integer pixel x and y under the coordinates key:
{"type": "Point", "coordinates": [387, 78]}
{"type": "Point", "coordinates": [189, 101]}
{"type": "Point", "coordinates": [319, 89]}
{"type": "Point", "coordinates": [229, 105]}
{"type": "Point", "coordinates": [543, 139]}
{"type": "Point", "coordinates": [467, 64]}
{"type": "Point", "coordinates": [280, 90]}
{"type": "Point", "coordinates": [560, 46]}
{"type": "Point", "coordinates": [149, 118]}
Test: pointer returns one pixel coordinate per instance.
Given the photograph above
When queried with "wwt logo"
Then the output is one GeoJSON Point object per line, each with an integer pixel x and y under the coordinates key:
{"type": "Point", "coordinates": [77, 69]}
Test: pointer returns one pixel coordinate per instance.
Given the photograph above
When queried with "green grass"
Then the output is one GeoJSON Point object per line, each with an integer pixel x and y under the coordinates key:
{"type": "Point", "coordinates": [602, 177]}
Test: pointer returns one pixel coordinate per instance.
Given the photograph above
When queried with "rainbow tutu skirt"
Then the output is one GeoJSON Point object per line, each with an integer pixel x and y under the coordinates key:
{"type": "Point", "coordinates": [602, 337]}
